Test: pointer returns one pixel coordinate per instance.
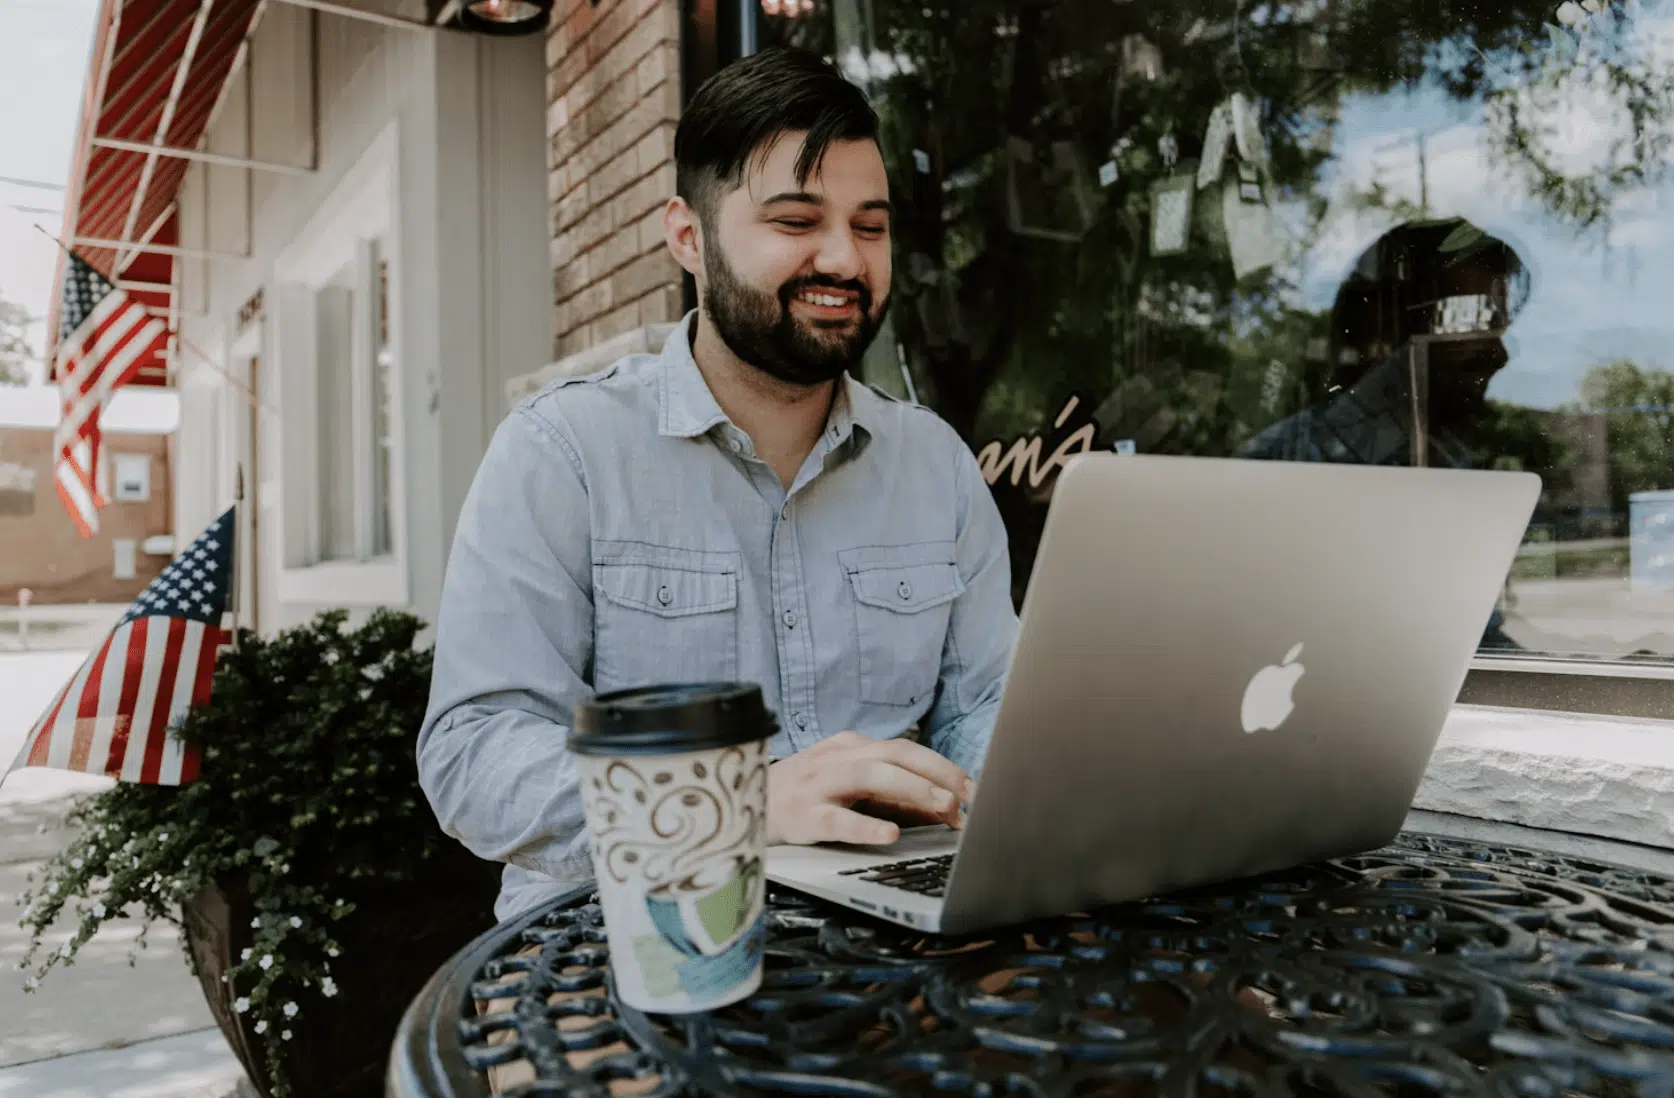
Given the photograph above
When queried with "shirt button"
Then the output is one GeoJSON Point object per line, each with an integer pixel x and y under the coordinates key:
{"type": "Point", "coordinates": [790, 619]}
{"type": "Point", "coordinates": [801, 720]}
{"type": "Point", "coordinates": [905, 590]}
{"type": "Point", "coordinates": [737, 447]}
{"type": "Point", "coordinates": [665, 596]}
{"type": "Point", "coordinates": [785, 511]}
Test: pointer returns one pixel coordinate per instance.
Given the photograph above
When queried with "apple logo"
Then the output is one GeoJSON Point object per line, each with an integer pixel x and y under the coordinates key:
{"type": "Point", "coordinates": [1267, 700]}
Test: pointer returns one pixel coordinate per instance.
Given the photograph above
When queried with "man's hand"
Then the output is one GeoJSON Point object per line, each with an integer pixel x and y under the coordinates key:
{"type": "Point", "coordinates": [810, 796]}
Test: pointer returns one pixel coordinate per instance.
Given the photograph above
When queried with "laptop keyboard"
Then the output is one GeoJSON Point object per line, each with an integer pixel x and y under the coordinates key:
{"type": "Point", "coordinates": [926, 876]}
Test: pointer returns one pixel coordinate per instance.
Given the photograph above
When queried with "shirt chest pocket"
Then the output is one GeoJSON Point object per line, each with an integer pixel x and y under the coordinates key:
{"type": "Point", "coordinates": [664, 615]}
{"type": "Point", "coordinates": [903, 602]}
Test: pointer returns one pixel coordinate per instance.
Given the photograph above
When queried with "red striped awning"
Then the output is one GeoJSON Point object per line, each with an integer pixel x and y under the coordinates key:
{"type": "Point", "coordinates": [156, 75]}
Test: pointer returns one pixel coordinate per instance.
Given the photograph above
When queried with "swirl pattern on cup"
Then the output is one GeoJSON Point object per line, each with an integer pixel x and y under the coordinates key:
{"type": "Point", "coordinates": [665, 820]}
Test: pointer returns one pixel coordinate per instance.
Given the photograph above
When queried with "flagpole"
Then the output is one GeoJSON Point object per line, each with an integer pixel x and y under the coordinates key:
{"type": "Point", "coordinates": [236, 580]}
{"type": "Point", "coordinates": [250, 395]}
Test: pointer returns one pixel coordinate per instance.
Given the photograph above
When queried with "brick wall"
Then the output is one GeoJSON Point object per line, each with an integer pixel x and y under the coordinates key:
{"type": "Point", "coordinates": [40, 547]}
{"type": "Point", "coordinates": [613, 89]}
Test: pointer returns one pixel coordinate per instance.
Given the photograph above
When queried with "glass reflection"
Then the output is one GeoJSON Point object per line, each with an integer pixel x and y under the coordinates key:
{"type": "Point", "coordinates": [1425, 233]}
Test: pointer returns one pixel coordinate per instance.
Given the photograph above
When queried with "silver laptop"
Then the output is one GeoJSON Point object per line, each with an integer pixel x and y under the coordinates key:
{"type": "Point", "coordinates": [1224, 667]}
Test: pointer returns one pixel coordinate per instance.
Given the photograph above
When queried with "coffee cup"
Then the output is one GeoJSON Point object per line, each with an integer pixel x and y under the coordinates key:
{"type": "Point", "coordinates": [674, 787]}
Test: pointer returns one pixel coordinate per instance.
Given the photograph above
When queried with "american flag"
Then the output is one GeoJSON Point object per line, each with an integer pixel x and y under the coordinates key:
{"type": "Point", "coordinates": [115, 715]}
{"type": "Point", "coordinates": [104, 337]}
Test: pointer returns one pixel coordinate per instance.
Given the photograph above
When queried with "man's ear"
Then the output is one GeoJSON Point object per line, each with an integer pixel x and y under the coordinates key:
{"type": "Point", "coordinates": [683, 233]}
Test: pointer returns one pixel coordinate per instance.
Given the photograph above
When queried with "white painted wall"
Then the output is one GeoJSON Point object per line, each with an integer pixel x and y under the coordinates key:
{"type": "Point", "coordinates": [473, 274]}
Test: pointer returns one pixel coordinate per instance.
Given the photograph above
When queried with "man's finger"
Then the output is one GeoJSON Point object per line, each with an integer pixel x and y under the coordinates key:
{"type": "Point", "coordinates": [882, 781]}
{"type": "Point", "coordinates": [836, 824]}
{"type": "Point", "coordinates": [926, 764]}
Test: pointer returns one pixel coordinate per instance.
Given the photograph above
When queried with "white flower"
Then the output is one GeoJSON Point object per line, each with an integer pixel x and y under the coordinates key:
{"type": "Point", "coordinates": [163, 838]}
{"type": "Point", "coordinates": [286, 1035]}
{"type": "Point", "coordinates": [290, 1010]}
{"type": "Point", "coordinates": [266, 962]}
{"type": "Point", "coordinates": [286, 868]}
{"type": "Point", "coordinates": [256, 923]}
{"type": "Point", "coordinates": [99, 910]}
{"type": "Point", "coordinates": [261, 1027]}
{"type": "Point", "coordinates": [245, 956]}
{"type": "Point", "coordinates": [1570, 13]}
{"type": "Point", "coordinates": [31, 984]}
{"type": "Point", "coordinates": [76, 863]}
{"type": "Point", "coordinates": [296, 922]}
{"type": "Point", "coordinates": [328, 987]}
{"type": "Point", "coordinates": [332, 952]}
{"type": "Point", "coordinates": [339, 903]}
{"type": "Point", "coordinates": [64, 950]}
{"type": "Point", "coordinates": [136, 863]}
{"type": "Point", "coordinates": [242, 1005]}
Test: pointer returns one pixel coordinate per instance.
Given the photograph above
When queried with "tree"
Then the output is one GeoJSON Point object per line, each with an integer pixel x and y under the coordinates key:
{"type": "Point", "coordinates": [1026, 140]}
{"type": "Point", "coordinates": [16, 355]}
{"type": "Point", "coordinates": [1639, 408]}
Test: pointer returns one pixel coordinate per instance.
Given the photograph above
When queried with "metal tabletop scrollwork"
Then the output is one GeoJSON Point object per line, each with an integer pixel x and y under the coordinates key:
{"type": "Point", "coordinates": [1431, 967]}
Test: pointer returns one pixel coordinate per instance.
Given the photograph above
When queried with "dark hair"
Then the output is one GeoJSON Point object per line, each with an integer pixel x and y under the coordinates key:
{"type": "Point", "coordinates": [1393, 291]}
{"type": "Point", "coordinates": [737, 113]}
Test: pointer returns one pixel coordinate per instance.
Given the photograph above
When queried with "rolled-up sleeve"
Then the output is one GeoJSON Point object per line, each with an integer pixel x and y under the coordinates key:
{"type": "Point", "coordinates": [983, 627]}
{"type": "Point", "coordinates": [514, 637]}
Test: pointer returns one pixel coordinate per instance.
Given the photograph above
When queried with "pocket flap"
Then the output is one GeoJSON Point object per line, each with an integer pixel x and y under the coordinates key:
{"type": "Point", "coordinates": [905, 588]}
{"type": "Point", "coordinates": [667, 591]}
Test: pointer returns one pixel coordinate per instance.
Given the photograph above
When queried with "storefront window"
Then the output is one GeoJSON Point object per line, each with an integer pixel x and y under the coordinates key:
{"type": "Point", "coordinates": [1428, 233]}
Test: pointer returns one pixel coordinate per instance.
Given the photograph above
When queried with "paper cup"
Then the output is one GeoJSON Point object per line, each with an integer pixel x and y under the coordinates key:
{"type": "Point", "coordinates": [675, 795]}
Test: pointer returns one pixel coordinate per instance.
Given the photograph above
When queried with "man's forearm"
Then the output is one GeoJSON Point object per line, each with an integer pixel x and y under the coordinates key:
{"type": "Point", "coordinates": [964, 741]}
{"type": "Point", "coordinates": [502, 782]}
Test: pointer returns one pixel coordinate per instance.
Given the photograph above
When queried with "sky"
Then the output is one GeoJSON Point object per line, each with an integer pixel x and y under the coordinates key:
{"type": "Point", "coordinates": [1595, 296]}
{"type": "Point", "coordinates": [44, 45]}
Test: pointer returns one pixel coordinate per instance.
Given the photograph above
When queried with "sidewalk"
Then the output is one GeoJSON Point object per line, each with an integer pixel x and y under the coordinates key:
{"type": "Point", "coordinates": [99, 1029]}
{"type": "Point", "coordinates": [56, 628]}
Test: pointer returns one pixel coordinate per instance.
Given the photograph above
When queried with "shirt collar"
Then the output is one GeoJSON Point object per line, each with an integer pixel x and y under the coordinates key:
{"type": "Point", "coordinates": [688, 409]}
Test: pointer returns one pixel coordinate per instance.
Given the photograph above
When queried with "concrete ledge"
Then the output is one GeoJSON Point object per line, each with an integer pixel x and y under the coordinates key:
{"type": "Point", "coordinates": [649, 339]}
{"type": "Point", "coordinates": [1602, 776]}
{"type": "Point", "coordinates": [1586, 847]}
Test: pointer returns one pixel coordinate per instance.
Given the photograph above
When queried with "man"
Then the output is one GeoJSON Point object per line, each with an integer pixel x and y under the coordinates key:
{"type": "Point", "coordinates": [737, 507]}
{"type": "Point", "coordinates": [1429, 301]}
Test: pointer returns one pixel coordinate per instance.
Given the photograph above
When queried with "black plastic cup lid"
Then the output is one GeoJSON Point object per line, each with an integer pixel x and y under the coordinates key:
{"type": "Point", "coordinates": [669, 719]}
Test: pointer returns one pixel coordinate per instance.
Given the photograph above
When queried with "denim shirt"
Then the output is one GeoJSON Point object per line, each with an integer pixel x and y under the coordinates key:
{"type": "Point", "coordinates": [622, 531]}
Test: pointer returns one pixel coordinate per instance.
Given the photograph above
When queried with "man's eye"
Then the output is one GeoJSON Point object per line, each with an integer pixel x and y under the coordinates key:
{"type": "Point", "coordinates": [794, 223]}
{"type": "Point", "coordinates": [871, 230]}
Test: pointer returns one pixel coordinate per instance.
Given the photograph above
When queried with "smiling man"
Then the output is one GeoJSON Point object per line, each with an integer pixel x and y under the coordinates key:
{"type": "Point", "coordinates": [738, 507]}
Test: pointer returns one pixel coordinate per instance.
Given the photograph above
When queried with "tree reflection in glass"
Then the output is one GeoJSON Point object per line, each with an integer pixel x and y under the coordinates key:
{"type": "Point", "coordinates": [1039, 147]}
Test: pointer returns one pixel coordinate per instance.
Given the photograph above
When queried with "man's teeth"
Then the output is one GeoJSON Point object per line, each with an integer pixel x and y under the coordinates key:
{"type": "Point", "coordinates": [832, 300]}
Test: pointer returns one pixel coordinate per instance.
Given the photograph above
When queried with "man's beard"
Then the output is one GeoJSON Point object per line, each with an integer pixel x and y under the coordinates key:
{"type": "Point", "coordinates": [758, 327]}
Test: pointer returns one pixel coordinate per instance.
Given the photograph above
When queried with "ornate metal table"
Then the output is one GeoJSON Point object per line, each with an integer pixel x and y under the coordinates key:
{"type": "Point", "coordinates": [1432, 967]}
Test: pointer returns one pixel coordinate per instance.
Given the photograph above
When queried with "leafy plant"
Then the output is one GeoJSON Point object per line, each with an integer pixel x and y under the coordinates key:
{"type": "Point", "coordinates": [307, 791]}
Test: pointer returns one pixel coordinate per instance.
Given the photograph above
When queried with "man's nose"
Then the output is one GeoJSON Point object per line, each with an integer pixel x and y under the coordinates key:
{"type": "Point", "coordinates": [839, 255]}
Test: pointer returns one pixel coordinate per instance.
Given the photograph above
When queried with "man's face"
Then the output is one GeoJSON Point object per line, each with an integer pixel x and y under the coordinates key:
{"type": "Point", "coordinates": [796, 277]}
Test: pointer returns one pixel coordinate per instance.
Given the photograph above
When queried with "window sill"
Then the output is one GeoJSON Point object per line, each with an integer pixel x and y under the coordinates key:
{"type": "Point", "coordinates": [378, 582]}
{"type": "Point", "coordinates": [1603, 776]}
